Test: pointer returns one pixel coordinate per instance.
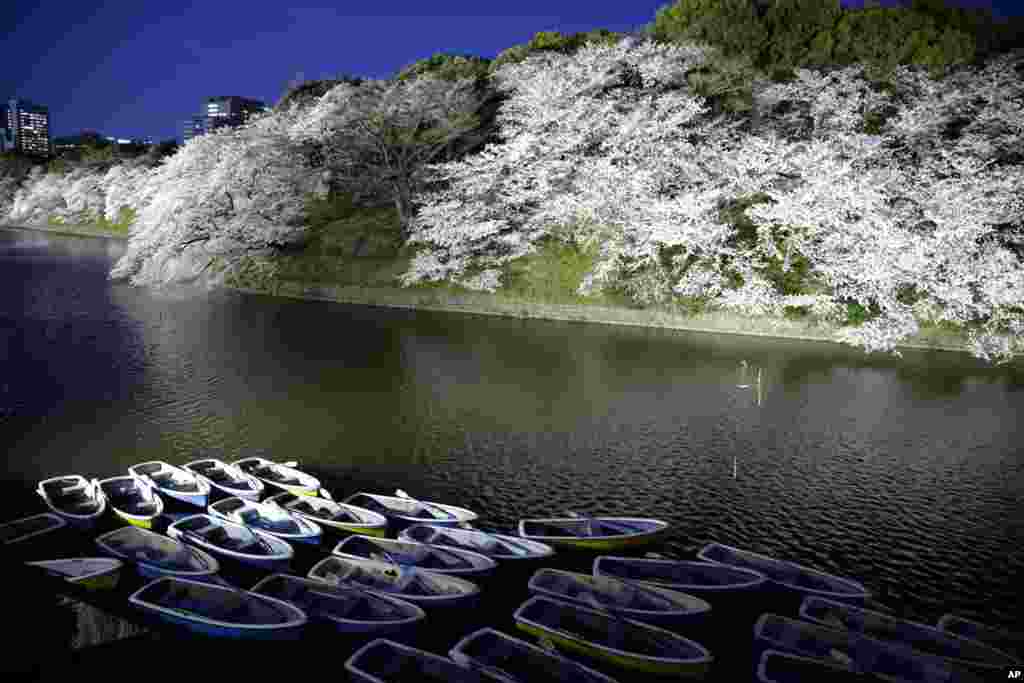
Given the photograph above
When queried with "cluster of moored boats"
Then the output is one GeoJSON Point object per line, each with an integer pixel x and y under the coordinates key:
{"type": "Point", "coordinates": [624, 614]}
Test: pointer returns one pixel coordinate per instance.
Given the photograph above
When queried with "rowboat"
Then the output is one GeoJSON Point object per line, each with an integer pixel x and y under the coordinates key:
{"type": "Point", "coordinates": [132, 500]}
{"type": "Point", "coordinates": [174, 482]}
{"type": "Point", "coordinates": [440, 559]}
{"type": "Point", "coordinates": [859, 652]}
{"type": "Point", "coordinates": [333, 515]}
{"type": "Point", "coordinates": [704, 579]}
{"type": "Point", "coordinates": [226, 479]}
{"type": "Point", "coordinates": [402, 512]}
{"type": "Point", "coordinates": [155, 555]}
{"type": "Point", "coordinates": [280, 476]}
{"type": "Point", "coordinates": [94, 573]}
{"type": "Point", "coordinates": [919, 637]}
{"type": "Point", "coordinates": [593, 533]}
{"type": "Point", "coordinates": [217, 610]}
{"type": "Point", "coordinates": [79, 502]}
{"type": "Point", "coordinates": [385, 661]}
{"type": "Point", "coordinates": [494, 546]}
{"type": "Point", "coordinates": [272, 519]}
{"type": "Point", "coordinates": [1011, 643]}
{"type": "Point", "coordinates": [789, 576]}
{"type": "Point", "coordinates": [776, 666]}
{"type": "Point", "coordinates": [29, 527]}
{"type": "Point", "coordinates": [631, 645]}
{"type": "Point", "coordinates": [421, 587]}
{"type": "Point", "coordinates": [520, 661]}
{"type": "Point", "coordinates": [350, 610]}
{"type": "Point", "coordinates": [648, 604]}
{"type": "Point", "coordinates": [237, 542]}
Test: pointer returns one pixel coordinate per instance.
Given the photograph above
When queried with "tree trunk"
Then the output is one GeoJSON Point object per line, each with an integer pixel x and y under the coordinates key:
{"type": "Point", "coordinates": [403, 202]}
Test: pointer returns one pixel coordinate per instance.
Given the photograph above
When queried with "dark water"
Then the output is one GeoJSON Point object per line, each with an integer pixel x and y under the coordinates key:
{"type": "Point", "coordinates": [905, 474]}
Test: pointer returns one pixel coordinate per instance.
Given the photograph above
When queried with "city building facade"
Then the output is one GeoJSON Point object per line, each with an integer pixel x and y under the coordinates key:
{"type": "Point", "coordinates": [225, 111]}
{"type": "Point", "coordinates": [28, 127]}
{"type": "Point", "coordinates": [194, 127]}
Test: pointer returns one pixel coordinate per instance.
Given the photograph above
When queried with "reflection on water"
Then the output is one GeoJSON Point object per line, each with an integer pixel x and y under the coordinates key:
{"type": "Point", "coordinates": [905, 473]}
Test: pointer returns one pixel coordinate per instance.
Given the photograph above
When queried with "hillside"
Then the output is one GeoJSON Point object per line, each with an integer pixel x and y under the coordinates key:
{"type": "Point", "coordinates": [627, 171]}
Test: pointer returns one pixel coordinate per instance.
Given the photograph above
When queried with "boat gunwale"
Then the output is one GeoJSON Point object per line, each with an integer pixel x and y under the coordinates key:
{"type": "Point", "coordinates": [98, 494]}
{"type": "Point", "coordinates": [454, 510]}
{"type": "Point", "coordinates": [272, 540]}
{"type": "Point", "coordinates": [861, 593]}
{"type": "Point", "coordinates": [158, 501]}
{"type": "Point", "coordinates": [538, 550]}
{"type": "Point", "coordinates": [83, 577]}
{"type": "Point", "coordinates": [411, 652]}
{"type": "Point", "coordinates": [706, 657]}
{"type": "Point", "coordinates": [371, 524]}
{"type": "Point", "coordinates": [299, 620]}
{"type": "Point", "coordinates": [1008, 659]}
{"type": "Point", "coordinates": [312, 529]}
{"type": "Point", "coordinates": [174, 493]}
{"type": "Point", "coordinates": [258, 486]}
{"type": "Point", "coordinates": [662, 526]}
{"type": "Point", "coordinates": [679, 611]}
{"type": "Point", "coordinates": [415, 599]}
{"type": "Point", "coordinates": [488, 563]}
{"type": "Point", "coordinates": [762, 664]}
{"type": "Point", "coordinates": [417, 613]}
{"type": "Point", "coordinates": [457, 650]}
{"type": "Point", "coordinates": [309, 482]}
{"type": "Point", "coordinates": [213, 565]}
{"type": "Point", "coordinates": [757, 582]}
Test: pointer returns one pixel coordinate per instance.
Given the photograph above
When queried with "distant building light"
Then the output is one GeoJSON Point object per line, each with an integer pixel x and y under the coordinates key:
{"type": "Point", "coordinates": [123, 141]}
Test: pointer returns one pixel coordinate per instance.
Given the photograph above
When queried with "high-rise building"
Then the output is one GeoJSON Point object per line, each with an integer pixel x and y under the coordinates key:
{"type": "Point", "coordinates": [231, 110]}
{"type": "Point", "coordinates": [28, 127]}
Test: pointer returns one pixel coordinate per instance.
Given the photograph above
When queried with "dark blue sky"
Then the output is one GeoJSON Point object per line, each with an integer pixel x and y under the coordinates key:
{"type": "Point", "coordinates": [135, 69]}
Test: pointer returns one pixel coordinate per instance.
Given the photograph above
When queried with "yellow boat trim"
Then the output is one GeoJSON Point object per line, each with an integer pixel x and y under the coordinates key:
{"type": "Point", "coordinates": [627, 662]}
{"type": "Point", "coordinates": [380, 532]}
{"type": "Point", "coordinates": [299, 490]}
{"type": "Point", "coordinates": [103, 582]}
{"type": "Point", "coordinates": [600, 543]}
{"type": "Point", "coordinates": [141, 523]}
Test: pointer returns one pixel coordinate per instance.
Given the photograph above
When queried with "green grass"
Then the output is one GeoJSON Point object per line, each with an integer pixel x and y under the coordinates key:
{"type": "Point", "coordinates": [122, 226]}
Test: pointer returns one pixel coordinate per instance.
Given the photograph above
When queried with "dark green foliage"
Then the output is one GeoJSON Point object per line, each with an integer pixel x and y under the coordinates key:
{"type": "Point", "coordinates": [856, 314]}
{"type": "Point", "coordinates": [447, 66]}
{"type": "Point", "coordinates": [795, 312]}
{"type": "Point", "coordinates": [874, 121]}
{"type": "Point", "coordinates": [552, 41]}
{"type": "Point", "coordinates": [789, 282]}
{"type": "Point", "coordinates": [908, 295]}
{"type": "Point", "coordinates": [734, 214]}
{"type": "Point", "coordinates": [818, 33]}
{"type": "Point", "coordinates": [308, 92]}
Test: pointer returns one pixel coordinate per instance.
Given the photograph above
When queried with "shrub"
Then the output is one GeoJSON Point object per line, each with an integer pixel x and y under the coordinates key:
{"type": "Point", "coordinates": [447, 66]}
{"type": "Point", "coordinates": [554, 42]}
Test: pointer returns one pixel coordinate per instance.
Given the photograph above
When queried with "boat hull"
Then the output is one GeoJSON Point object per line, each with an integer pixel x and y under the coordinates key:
{"type": "Point", "coordinates": [695, 667]}
{"type": "Point", "coordinates": [604, 543]}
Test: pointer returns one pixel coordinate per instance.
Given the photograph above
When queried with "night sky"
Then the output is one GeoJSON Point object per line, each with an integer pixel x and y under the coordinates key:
{"type": "Point", "coordinates": [137, 69]}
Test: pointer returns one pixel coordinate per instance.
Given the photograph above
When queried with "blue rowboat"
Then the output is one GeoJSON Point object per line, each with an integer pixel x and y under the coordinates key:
{"type": "Point", "coordinates": [593, 533]}
{"type": "Point", "coordinates": [422, 587]}
{"type": "Point", "coordinates": [385, 661]}
{"type": "Point", "coordinates": [708, 580]}
{"type": "Point", "coordinates": [649, 604]}
{"type": "Point", "coordinates": [495, 546]}
{"type": "Point", "coordinates": [23, 529]}
{"type": "Point", "coordinates": [858, 652]}
{"type": "Point", "coordinates": [75, 499]}
{"type": "Point", "coordinates": [790, 577]}
{"type": "Point", "coordinates": [174, 482]}
{"type": "Point", "coordinates": [440, 559]}
{"type": "Point", "coordinates": [231, 541]}
{"type": "Point", "coordinates": [518, 661]}
{"type": "Point", "coordinates": [348, 609]}
{"type": "Point", "coordinates": [776, 666]}
{"type": "Point", "coordinates": [919, 637]}
{"type": "Point", "coordinates": [269, 518]}
{"type": "Point", "coordinates": [217, 610]}
{"type": "Point", "coordinates": [226, 479]}
{"type": "Point", "coordinates": [133, 500]}
{"type": "Point", "coordinates": [155, 555]}
{"type": "Point", "coordinates": [636, 647]}
{"type": "Point", "coordinates": [402, 511]}
{"type": "Point", "coordinates": [1009, 642]}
